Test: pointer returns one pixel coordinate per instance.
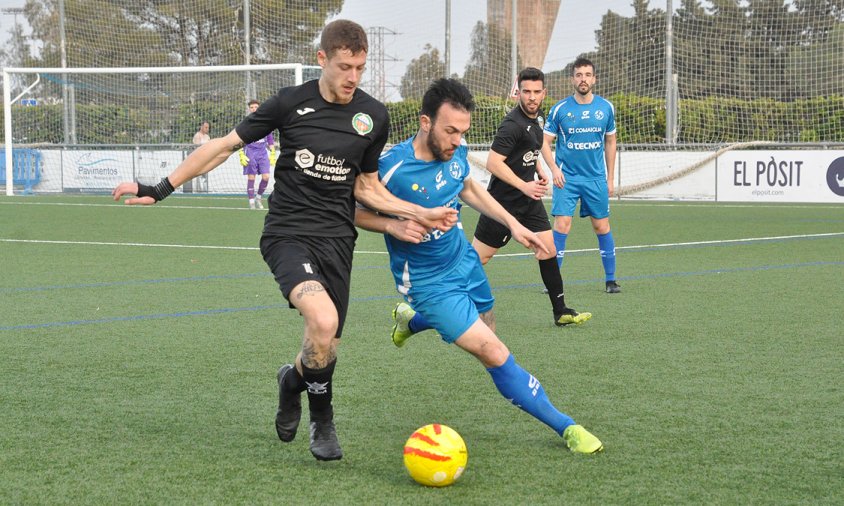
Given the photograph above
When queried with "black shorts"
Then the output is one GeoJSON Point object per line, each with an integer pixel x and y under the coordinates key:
{"type": "Point", "coordinates": [327, 260]}
{"type": "Point", "coordinates": [530, 213]}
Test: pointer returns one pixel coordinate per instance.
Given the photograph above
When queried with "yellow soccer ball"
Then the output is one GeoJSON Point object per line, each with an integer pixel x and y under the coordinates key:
{"type": "Point", "coordinates": [435, 455]}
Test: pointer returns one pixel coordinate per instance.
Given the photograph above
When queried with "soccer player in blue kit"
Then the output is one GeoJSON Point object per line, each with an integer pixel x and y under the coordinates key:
{"type": "Point", "coordinates": [439, 272]}
{"type": "Point", "coordinates": [583, 165]}
{"type": "Point", "coordinates": [331, 135]}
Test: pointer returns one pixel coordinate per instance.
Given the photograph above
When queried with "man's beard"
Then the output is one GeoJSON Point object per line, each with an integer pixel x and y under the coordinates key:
{"type": "Point", "coordinates": [438, 153]}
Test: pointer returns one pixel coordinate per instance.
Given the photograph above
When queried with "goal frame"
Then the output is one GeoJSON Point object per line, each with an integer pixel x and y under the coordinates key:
{"type": "Point", "coordinates": [8, 101]}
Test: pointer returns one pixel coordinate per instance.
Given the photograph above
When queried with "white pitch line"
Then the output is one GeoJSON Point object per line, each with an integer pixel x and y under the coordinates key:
{"type": "Point", "coordinates": [253, 248]}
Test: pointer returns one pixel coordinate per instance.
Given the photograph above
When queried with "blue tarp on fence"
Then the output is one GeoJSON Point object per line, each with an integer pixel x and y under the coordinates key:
{"type": "Point", "coordinates": [27, 165]}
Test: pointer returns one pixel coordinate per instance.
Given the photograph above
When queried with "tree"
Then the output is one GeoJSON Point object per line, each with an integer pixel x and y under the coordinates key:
{"type": "Point", "coordinates": [420, 72]}
{"type": "Point", "coordinates": [488, 69]}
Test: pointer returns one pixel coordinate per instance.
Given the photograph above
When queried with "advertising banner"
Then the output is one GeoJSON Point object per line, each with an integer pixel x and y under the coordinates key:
{"type": "Point", "coordinates": [781, 176]}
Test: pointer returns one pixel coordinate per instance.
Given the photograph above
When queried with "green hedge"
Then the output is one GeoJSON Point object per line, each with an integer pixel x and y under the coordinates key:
{"type": "Point", "coordinates": [639, 120]}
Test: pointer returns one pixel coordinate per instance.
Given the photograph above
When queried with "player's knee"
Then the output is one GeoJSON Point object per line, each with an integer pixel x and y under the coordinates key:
{"type": "Point", "coordinates": [322, 328]}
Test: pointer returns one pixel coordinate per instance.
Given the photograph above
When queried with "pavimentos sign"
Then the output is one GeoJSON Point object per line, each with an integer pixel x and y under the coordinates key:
{"type": "Point", "coordinates": [781, 176]}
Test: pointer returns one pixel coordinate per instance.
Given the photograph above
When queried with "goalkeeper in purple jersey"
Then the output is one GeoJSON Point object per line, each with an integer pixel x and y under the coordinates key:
{"type": "Point", "coordinates": [254, 159]}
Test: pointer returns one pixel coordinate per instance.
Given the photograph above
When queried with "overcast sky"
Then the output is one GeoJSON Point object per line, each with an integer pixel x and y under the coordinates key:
{"type": "Point", "coordinates": [417, 21]}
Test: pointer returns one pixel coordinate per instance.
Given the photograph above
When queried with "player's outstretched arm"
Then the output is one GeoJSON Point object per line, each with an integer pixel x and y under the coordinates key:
{"type": "Point", "coordinates": [403, 230]}
{"type": "Point", "coordinates": [203, 160]}
{"type": "Point", "coordinates": [476, 196]}
{"type": "Point", "coordinates": [372, 193]}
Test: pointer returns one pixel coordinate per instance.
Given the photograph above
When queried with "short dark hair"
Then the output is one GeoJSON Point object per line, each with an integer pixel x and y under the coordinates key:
{"type": "Point", "coordinates": [253, 101]}
{"type": "Point", "coordinates": [582, 62]}
{"type": "Point", "coordinates": [343, 34]}
{"type": "Point", "coordinates": [446, 90]}
{"type": "Point", "coordinates": [531, 74]}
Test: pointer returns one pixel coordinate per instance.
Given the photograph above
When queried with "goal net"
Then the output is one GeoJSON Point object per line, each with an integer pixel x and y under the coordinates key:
{"type": "Point", "coordinates": [85, 130]}
{"type": "Point", "coordinates": [712, 77]}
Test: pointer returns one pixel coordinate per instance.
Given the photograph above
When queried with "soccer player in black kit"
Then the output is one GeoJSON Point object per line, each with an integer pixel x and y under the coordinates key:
{"type": "Point", "coordinates": [518, 183]}
{"type": "Point", "coordinates": [331, 135]}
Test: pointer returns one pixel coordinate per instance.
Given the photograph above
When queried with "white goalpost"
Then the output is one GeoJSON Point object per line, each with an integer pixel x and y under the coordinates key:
{"type": "Point", "coordinates": [85, 129]}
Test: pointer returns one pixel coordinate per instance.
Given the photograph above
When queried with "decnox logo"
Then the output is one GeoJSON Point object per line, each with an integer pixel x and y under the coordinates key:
{"type": "Point", "coordinates": [835, 176]}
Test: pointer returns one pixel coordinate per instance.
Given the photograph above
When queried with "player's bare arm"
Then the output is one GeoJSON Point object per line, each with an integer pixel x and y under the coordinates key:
{"type": "Point", "coordinates": [372, 193]}
{"type": "Point", "coordinates": [203, 160]}
{"type": "Point", "coordinates": [403, 230]}
{"type": "Point", "coordinates": [495, 165]}
{"type": "Point", "coordinates": [556, 174]}
{"type": "Point", "coordinates": [610, 149]}
{"type": "Point", "coordinates": [479, 199]}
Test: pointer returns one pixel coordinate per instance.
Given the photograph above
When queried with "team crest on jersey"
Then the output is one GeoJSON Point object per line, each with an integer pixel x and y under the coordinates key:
{"type": "Point", "coordinates": [541, 121]}
{"type": "Point", "coordinates": [454, 170]}
{"type": "Point", "coordinates": [599, 114]}
{"type": "Point", "coordinates": [362, 123]}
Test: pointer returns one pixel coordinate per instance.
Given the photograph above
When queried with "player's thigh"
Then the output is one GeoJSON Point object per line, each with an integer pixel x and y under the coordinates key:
{"type": "Point", "coordinates": [326, 260]}
{"type": "Point", "coordinates": [564, 200]}
{"type": "Point", "coordinates": [452, 306]}
{"type": "Point", "coordinates": [595, 200]}
{"type": "Point", "coordinates": [533, 216]}
{"type": "Point", "coordinates": [547, 238]}
{"type": "Point", "coordinates": [490, 232]}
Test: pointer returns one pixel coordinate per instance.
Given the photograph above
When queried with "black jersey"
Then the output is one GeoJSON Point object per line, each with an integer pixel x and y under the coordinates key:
{"type": "Point", "coordinates": [519, 139]}
{"type": "Point", "coordinates": [324, 146]}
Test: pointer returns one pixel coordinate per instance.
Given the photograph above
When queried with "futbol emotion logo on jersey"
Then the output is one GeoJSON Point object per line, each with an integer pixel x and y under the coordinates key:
{"type": "Point", "coordinates": [322, 166]}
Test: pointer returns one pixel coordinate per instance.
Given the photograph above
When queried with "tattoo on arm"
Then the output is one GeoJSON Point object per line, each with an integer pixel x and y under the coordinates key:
{"type": "Point", "coordinates": [237, 146]}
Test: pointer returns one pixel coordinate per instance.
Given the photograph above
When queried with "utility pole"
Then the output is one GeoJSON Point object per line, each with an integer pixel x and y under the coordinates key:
{"type": "Point", "coordinates": [377, 59]}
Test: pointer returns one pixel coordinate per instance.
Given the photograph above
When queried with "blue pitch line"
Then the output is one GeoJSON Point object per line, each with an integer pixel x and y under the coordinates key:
{"type": "Point", "coordinates": [107, 284]}
{"type": "Point", "coordinates": [395, 296]}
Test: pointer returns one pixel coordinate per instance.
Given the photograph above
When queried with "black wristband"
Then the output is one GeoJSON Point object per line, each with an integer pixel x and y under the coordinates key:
{"type": "Point", "coordinates": [159, 192]}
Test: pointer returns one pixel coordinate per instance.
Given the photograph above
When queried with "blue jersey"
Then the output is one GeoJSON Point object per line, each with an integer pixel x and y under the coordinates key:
{"type": "Point", "coordinates": [580, 131]}
{"type": "Point", "coordinates": [428, 184]}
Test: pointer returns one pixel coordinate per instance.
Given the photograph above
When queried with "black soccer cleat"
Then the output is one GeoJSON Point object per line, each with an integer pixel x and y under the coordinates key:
{"type": "Point", "coordinates": [324, 443]}
{"type": "Point", "coordinates": [613, 287]}
{"type": "Point", "coordinates": [289, 408]}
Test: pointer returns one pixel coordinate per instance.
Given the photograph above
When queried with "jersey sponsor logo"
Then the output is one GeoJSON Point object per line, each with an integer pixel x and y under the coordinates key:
{"type": "Point", "coordinates": [454, 169]}
{"type": "Point", "coordinates": [530, 157]}
{"type": "Point", "coordinates": [599, 114]}
{"type": "Point", "coordinates": [584, 115]}
{"type": "Point", "coordinates": [362, 123]}
{"type": "Point", "coordinates": [585, 130]}
{"type": "Point", "coordinates": [583, 146]}
{"type": "Point", "coordinates": [440, 180]}
{"type": "Point", "coordinates": [304, 158]}
{"type": "Point", "coordinates": [305, 110]}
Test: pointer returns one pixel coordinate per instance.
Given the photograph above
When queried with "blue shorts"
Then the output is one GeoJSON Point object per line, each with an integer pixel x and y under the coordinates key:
{"type": "Point", "coordinates": [594, 198]}
{"type": "Point", "coordinates": [452, 305]}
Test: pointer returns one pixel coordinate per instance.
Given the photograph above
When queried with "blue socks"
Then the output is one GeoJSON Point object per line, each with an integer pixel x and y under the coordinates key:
{"type": "Point", "coordinates": [525, 391]}
{"type": "Point", "coordinates": [606, 245]}
{"type": "Point", "coordinates": [560, 244]}
{"type": "Point", "coordinates": [418, 323]}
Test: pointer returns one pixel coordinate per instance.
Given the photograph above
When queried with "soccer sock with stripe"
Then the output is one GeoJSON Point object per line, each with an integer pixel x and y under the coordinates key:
{"type": "Point", "coordinates": [250, 188]}
{"type": "Point", "coordinates": [606, 245]}
{"type": "Point", "coordinates": [523, 390]}
{"type": "Point", "coordinates": [560, 244]}
{"type": "Point", "coordinates": [262, 186]}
